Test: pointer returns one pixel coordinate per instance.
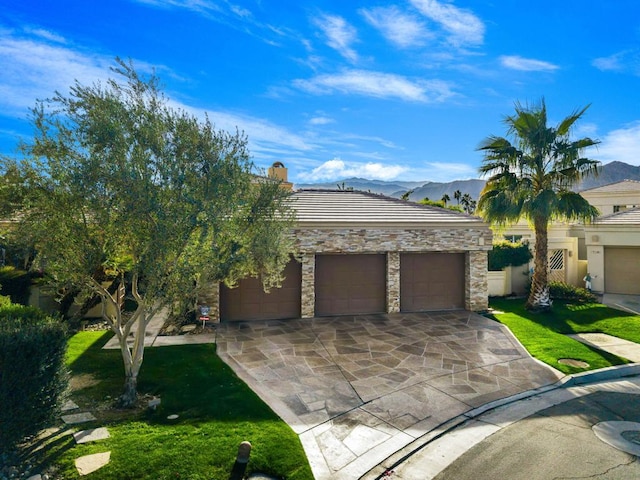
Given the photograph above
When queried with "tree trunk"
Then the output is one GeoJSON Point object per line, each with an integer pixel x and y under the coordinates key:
{"type": "Point", "coordinates": [539, 299]}
{"type": "Point", "coordinates": [129, 397]}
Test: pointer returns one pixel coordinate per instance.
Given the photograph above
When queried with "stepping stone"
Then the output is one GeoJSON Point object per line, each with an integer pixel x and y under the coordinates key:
{"type": "Point", "coordinates": [69, 405]}
{"type": "Point", "coordinates": [91, 435]}
{"type": "Point", "coordinates": [74, 418]}
{"type": "Point", "coordinates": [91, 463]}
{"type": "Point", "coordinates": [37, 476]}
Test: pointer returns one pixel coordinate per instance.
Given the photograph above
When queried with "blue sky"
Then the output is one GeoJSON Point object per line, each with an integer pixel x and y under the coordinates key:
{"type": "Point", "coordinates": [333, 89]}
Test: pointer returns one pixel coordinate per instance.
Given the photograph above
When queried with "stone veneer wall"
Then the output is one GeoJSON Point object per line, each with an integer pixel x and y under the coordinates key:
{"type": "Point", "coordinates": [475, 241]}
{"type": "Point", "coordinates": [391, 241]}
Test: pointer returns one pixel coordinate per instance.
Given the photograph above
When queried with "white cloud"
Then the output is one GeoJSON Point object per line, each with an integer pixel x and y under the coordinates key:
{"type": "Point", "coordinates": [340, 34]}
{"type": "Point", "coordinates": [448, 171]}
{"type": "Point", "coordinates": [321, 120]}
{"type": "Point", "coordinates": [400, 28]}
{"type": "Point", "coordinates": [625, 61]}
{"type": "Point", "coordinates": [378, 85]}
{"type": "Point", "coordinates": [516, 62]}
{"type": "Point", "coordinates": [463, 26]}
{"type": "Point", "coordinates": [200, 6]}
{"type": "Point", "coordinates": [338, 169]}
{"type": "Point", "coordinates": [622, 144]}
{"type": "Point", "coordinates": [35, 69]}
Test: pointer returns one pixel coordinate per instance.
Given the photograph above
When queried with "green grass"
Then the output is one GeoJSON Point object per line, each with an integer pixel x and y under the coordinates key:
{"type": "Point", "coordinates": [216, 412]}
{"type": "Point", "coordinates": [544, 334]}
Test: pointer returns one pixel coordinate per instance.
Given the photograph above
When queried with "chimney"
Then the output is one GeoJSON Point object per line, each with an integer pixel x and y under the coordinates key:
{"type": "Point", "coordinates": [279, 172]}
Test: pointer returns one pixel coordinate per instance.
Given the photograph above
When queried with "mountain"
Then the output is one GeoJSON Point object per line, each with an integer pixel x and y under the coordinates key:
{"type": "Point", "coordinates": [397, 188]}
{"type": "Point", "coordinates": [364, 185]}
{"type": "Point", "coordinates": [610, 173]}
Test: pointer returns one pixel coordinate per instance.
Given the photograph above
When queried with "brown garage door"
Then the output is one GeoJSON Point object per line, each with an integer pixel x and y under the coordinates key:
{"type": "Point", "coordinates": [622, 270]}
{"type": "Point", "coordinates": [431, 281]}
{"type": "Point", "coordinates": [248, 301]}
{"type": "Point", "coordinates": [350, 284]}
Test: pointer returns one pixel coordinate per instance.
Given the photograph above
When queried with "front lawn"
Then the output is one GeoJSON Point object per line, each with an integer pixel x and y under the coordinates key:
{"type": "Point", "coordinates": [544, 334]}
{"type": "Point", "coordinates": [217, 411]}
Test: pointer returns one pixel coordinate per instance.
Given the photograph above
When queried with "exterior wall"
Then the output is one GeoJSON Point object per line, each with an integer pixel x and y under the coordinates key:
{"type": "Point", "coordinates": [476, 241]}
{"type": "Point", "coordinates": [605, 201]}
{"type": "Point", "coordinates": [308, 285]}
{"type": "Point", "coordinates": [561, 236]}
{"type": "Point", "coordinates": [391, 241]}
{"type": "Point", "coordinates": [476, 281]}
{"type": "Point", "coordinates": [345, 240]}
{"type": "Point", "coordinates": [393, 282]}
{"type": "Point", "coordinates": [599, 236]}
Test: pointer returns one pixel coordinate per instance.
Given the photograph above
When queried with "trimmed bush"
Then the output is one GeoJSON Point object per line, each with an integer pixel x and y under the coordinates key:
{"type": "Point", "coordinates": [505, 254]}
{"type": "Point", "coordinates": [569, 293]}
{"type": "Point", "coordinates": [33, 376]}
{"type": "Point", "coordinates": [15, 283]}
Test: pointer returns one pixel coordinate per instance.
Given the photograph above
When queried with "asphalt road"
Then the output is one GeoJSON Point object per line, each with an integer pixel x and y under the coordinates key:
{"type": "Point", "coordinates": [557, 443]}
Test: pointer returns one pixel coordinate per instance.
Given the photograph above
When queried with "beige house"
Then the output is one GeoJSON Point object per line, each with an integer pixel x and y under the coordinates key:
{"type": "Point", "coordinates": [362, 253]}
{"type": "Point", "coordinates": [608, 249]}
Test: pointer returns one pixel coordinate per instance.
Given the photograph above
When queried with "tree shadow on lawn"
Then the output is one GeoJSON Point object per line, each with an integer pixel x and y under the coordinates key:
{"type": "Point", "coordinates": [567, 318]}
{"type": "Point", "coordinates": [190, 380]}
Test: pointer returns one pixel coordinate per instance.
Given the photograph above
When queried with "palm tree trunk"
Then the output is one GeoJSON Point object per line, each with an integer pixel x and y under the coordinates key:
{"type": "Point", "coordinates": [539, 299]}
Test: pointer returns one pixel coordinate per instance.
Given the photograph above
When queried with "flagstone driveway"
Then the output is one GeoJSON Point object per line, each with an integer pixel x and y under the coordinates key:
{"type": "Point", "coordinates": [358, 388]}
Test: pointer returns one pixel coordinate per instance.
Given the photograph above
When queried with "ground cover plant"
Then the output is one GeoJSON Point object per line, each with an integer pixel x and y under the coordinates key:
{"type": "Point", "coordinates": [544, 334]}
{"type": "Point", "coordinates": [216, 412]}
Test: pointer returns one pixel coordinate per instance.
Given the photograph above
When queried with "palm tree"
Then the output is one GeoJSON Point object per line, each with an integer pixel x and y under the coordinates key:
{"type": "Point", "coordinates": [457, 195]}
{"type": "Point", "coordinates": [407, 194]}
{"type": "Point", "coordinates": [531, 178]}
{"type": "Point", "coordinates": [445, 198]}
{"type": "Point", "coordinates": [468, 203]}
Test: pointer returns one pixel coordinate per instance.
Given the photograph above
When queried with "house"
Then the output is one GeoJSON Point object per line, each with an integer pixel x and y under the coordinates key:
{"type": "Point", "coordinates": [609, 248]}
{"type": "Point", "coordinates": [363, 253]}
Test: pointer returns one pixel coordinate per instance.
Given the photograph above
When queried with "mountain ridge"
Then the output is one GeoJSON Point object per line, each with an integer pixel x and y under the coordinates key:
{"type": "Point", "coordinates": [610, 173]}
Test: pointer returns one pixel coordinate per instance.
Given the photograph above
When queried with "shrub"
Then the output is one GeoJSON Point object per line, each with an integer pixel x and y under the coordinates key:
{"type": "Point", "coordinates": [569, 293]}
{"type": "Point", "coordinates": [15, 283]}
{"type": "Point", "coordinates": [33, 377]}
{"type": "Point", "coordinates": [505, 254]}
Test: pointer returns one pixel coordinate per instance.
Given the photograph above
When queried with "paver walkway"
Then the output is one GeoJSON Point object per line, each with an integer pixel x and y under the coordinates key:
{"type": "Point", "coordinates": [150, 334]}
{"type": "Point", "coordinates": [609, 343]}
{"type": "Point", "coordinates": [357, 389]}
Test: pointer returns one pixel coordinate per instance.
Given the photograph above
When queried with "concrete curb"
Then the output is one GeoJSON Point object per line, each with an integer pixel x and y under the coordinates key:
{"type": "Point", "coordinates": [393, 461]}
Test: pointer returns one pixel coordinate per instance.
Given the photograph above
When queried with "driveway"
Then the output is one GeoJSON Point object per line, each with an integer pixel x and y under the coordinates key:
{"type": "Point", "coordinates": [357, 389]}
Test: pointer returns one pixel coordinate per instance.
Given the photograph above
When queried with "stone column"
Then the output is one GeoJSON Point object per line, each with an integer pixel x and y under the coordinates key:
{"type": "Point", "coordinates": [308, 290]}
{"type": "Point", "coordinates": [393, 282]}
{"type": "Point", "coordinates": [211, 296]}
{"type": "Point", "coordinates": [476, 282]}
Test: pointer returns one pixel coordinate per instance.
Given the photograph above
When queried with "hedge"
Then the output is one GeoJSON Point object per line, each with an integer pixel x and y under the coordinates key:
{"type": "Point", "coordinates": [505, 254]}
{"type": "Point", "coordinates": [33, 376]}
{"type": "Point", "coordinates": [16, 284]}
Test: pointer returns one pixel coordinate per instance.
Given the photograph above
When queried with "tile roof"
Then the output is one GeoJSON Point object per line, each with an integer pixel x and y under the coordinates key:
{"type": "Point", "coordinates": [626, 217]}
{"type": "Point", "coordinates": [345, 207]}
{"type": "Point", "coordinates": [617, 187]}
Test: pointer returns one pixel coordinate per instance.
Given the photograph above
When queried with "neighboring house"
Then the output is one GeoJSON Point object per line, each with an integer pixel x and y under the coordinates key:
{"type": "Point", "coordinates": [362, 253]}
{"type": "Point", "coordinates": [609, 248]}
{"type": "Point", "coordinates": [613, 252]}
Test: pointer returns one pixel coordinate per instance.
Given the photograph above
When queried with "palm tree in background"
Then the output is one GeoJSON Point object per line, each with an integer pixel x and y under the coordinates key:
{"type": "Point", "coordinates": [457, 195]}
{"type": "Point", "coordinates": [445, 198]}
{"type": "Point", "coordinates": [531, 178]}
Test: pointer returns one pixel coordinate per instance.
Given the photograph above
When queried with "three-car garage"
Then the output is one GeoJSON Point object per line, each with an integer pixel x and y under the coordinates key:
{"type": "Point", "coordinates": [359, 253]}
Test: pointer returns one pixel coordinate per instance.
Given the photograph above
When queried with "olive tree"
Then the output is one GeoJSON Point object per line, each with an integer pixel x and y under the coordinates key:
{"type": "Point", "coordinates": [121, 186]}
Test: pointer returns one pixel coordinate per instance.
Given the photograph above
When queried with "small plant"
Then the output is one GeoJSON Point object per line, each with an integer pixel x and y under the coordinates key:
{"type": "Point", "coordinates": [570, 293]}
